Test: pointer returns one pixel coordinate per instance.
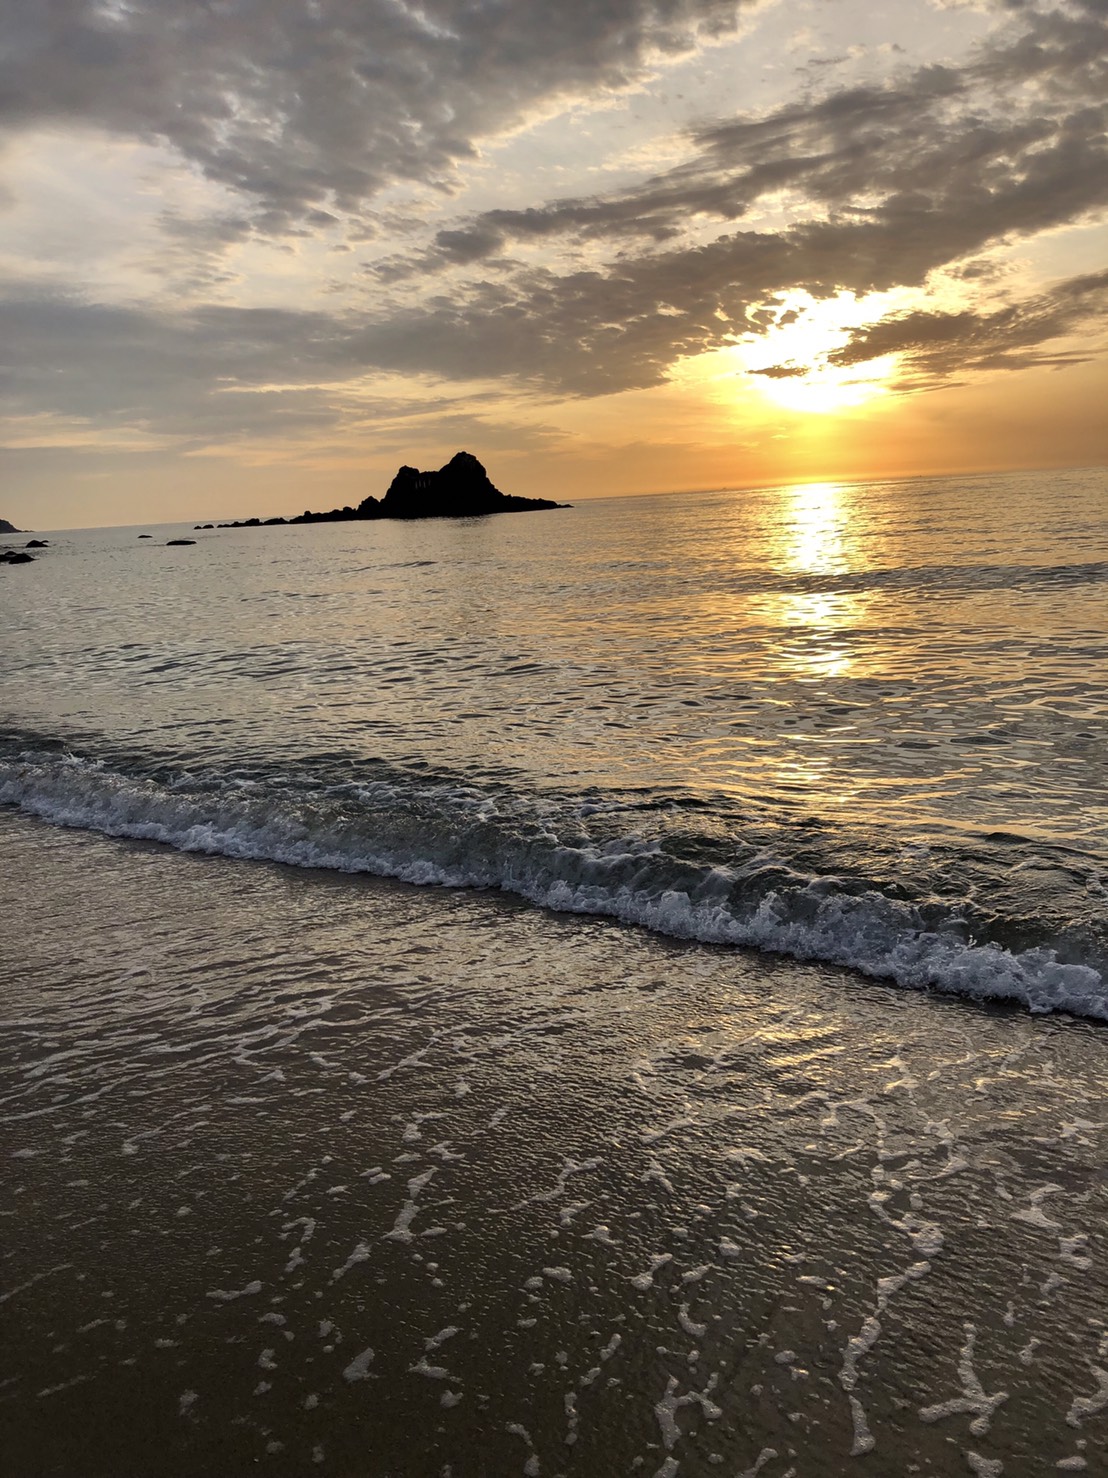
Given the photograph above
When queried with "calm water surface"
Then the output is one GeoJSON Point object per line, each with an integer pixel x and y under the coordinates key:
{"type": "Point", "coordinates": [864, 724]}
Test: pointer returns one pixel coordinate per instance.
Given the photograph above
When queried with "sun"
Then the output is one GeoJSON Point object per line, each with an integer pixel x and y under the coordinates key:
{"type": "Point", "coordinates": [789, 364]}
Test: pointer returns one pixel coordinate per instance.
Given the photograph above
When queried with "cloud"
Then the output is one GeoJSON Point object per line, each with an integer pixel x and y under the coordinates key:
{"type": "Point", "coordinates": [883, 186]}
{"type": "Point", "coordinates": [936, 346]}
{"type": "Point", "coordinates": [310, 107]}
{"type": "Point", "coordinates": [302, 105]}
{"type": "Point", "coordinates": [1030, 110]}
{"type": "Point", "coordinates": [75, 373]}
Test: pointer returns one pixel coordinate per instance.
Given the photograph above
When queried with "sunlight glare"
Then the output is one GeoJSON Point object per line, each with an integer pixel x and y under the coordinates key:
{"type": "Point", "coordinates": [789, 363]}
{"type": "Point", "coordinates": [815, 541]}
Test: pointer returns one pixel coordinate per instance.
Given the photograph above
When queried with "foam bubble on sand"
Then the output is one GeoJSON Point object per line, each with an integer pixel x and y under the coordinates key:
{"type": "Point", "coordinates": [973, 1401]}
{"type": "Point", "coordinates": [1073, 1250]}
{"type": "Point", "coordinates": [358, 1369]}
{"type": "Point", "coordinates": [401, 1229]}
{"type": "Point", "coordinates": [1084, 1406]}
{"type": "Point", "coordinates": [228, 1295]}
{"type": "Point", "coordinates": [518, 1430]}
{"type": "Point", "coordinates": [984, 1467]}
{"type": "Point", "coordinates": [570, 1210]}
{"type": "Point", "coordinates": [666, 1409]}
{"type": "Point", "coordinates": [440, 1339]}
{"type": "Point", "coordinates": [643, 1281]}
{"type": "Point", "coordinates": [766, 1455]}
{"type": "Point", "coordinates": [359, 1254]}
{"type": "Point", "coordinates": [859, 1345]}
{"type": "Point", "coordinates": [655, 1172]}
{"type": "Point", "coordinates": [601, 1234]}
{"type": "Point", "coordinates": [569, 1405]}
{"type": "Point", "coordinates": [1035, 1216]}
{"type": "Point", "coordinates": [432, 1372]}
{"type": "Point", "coordinates": [652, 1136]}
{"type": "Point", "coordinates": [746, 1156]}
{"type": "Point", "coordinates": [689, 1325]}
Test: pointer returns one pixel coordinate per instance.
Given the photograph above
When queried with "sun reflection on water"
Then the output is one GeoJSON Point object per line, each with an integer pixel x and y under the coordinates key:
{"type": "Point", "coordinates": [817, 536]}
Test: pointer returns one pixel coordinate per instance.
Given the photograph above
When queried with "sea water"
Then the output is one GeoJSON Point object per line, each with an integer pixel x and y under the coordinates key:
{"type": "Point", "coordinates": [771, 1140]}
{"type": "Point", "coordinates": [861, 724]}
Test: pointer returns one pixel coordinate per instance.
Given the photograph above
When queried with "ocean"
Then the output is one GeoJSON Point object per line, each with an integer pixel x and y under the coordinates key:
{"type": "Point", "coordinates": [600, 991]}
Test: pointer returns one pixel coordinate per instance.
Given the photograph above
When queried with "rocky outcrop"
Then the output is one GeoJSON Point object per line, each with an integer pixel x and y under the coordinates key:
{"type": "Point", "coordinates": [171, 543]}
{"type": "Point", "coordinates": [8, 528]}
{"type": "Point", "coordinates": [461, 489]}
{"type": "Point", "coordinates": [15, 557]}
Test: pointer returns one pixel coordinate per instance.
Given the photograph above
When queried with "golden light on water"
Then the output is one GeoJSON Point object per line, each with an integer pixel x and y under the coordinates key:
{"type": "Point", "coordinates": [816, 515]}
{"type": "Point", "coordinates": [817, 535]}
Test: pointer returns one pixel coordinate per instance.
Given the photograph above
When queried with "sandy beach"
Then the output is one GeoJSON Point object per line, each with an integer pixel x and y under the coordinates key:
{"type": "Point", "coordinates": [314, 1173]}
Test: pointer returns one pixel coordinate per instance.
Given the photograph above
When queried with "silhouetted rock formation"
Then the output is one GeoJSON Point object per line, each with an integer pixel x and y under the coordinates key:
{"type": "Point", "coordinates": [169, 543]}
{"type": "Point", "coordinates": [8, 528]}
{"type": "Point", "coordinates": [461, 489]}
{"type": "Point", "coordinates": [36, 544]}
{"type": "Point", "coordinates": [15, 557]}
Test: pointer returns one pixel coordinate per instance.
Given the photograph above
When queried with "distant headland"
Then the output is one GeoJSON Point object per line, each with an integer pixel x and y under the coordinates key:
{"type": "Point", "coordinates": [461, 489]}
{"type": "Point", "coordinates": [7, 528]}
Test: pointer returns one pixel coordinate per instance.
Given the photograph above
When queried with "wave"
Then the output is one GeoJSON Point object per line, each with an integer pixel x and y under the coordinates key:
{"type": "Point", "coordinates": [554, 853]}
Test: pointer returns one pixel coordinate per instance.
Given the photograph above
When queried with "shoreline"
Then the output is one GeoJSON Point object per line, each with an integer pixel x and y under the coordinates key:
{"type": "Point", "coordinates": [480, 1160]}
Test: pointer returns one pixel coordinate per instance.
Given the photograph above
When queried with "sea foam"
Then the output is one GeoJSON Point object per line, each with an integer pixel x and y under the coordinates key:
{"type": "Point", "coordinates": [455, 836]}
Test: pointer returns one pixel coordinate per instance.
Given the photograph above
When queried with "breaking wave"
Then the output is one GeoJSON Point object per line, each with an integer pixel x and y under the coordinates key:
{"type": "Point", "coordinates": [585, 855]}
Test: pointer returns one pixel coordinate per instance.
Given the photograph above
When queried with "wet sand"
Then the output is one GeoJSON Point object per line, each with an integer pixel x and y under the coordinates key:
{"type": "Point", "coordinates": [314, 1173]}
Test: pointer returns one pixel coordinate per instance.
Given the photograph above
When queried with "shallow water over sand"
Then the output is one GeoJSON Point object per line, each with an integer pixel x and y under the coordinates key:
{"type": "Point", "coordinates": [319, 1173]}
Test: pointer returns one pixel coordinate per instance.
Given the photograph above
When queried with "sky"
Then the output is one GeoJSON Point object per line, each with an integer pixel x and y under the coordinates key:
{"type": "Point", "coordinates": [255, 254]}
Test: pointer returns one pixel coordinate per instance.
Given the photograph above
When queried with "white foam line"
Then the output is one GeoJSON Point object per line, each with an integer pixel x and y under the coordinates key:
{"type": "Point", "coordinates": [629, 879]}
{"type": "Point", "coordinates": [973, 1401]}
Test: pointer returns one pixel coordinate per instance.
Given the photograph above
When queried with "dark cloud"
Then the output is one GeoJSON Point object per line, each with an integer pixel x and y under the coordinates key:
{"type": "Point", "coordinates": [304, 105]}
{"type": "Point", "coordinates": [219, 376]}
{"type": "Point", "coordinates": [936, 346]}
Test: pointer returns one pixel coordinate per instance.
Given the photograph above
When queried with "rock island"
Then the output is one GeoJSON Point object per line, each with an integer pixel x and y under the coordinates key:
{"type": "Point", "coordinates": [461, 489]}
